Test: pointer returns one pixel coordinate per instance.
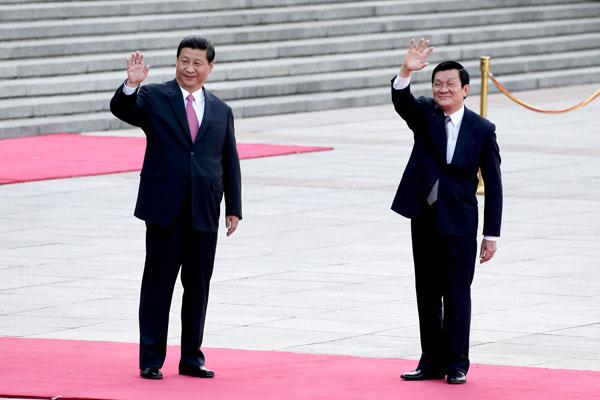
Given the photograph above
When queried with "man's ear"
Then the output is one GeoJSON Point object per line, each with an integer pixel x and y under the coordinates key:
{"type": "Point", "coordinates": [466, 90]}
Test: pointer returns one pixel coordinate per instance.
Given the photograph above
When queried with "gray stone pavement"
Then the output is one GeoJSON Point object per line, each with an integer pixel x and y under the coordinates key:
{"type": "Point", "coordinates": [320, 264]}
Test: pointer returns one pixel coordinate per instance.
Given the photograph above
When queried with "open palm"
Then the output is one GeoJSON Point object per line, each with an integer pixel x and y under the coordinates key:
{"type": "Point", "coordinates": [137, 71]}
{"type": "Point", "coordinates": [417, 54]}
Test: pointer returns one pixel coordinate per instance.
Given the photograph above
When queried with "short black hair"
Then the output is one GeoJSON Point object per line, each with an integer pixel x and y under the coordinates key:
{"type": "Point", "coordinates": [447, 65]}
{"type": "Point", "coordinates": [200, 43]}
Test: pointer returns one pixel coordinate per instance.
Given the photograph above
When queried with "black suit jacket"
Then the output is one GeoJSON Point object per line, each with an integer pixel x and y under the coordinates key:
{"type": "Point", "coordinates": [174, 167]}
{"type": "Point", "coordinates": [476, 148]}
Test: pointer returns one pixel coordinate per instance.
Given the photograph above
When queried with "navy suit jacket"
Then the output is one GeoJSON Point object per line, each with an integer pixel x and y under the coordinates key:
{"type": "Point", "coordinates": [174, 167]}
{"type": "Point", "coordinates": [476, 148]}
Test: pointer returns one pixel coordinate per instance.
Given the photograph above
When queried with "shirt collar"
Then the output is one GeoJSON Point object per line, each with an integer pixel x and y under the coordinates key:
{"type": "Point", "coordinates": [198, 95]}
{"type": "Point", "coordinates": [457, 116]}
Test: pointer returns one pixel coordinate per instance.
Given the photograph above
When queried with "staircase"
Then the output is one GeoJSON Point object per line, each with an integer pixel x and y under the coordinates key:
{"type": "Point", "coordinates": [60, 61]}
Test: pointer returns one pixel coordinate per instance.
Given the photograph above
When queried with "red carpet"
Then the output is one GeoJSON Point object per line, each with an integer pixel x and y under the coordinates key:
{"type": "Point", "coordinates": [103, 370]}
{"type": "Point", "coordinates": [66, 155]}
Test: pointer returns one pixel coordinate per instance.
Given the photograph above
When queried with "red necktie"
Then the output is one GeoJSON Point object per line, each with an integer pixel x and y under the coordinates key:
{"type": "Point", "coordinates": [192, 118]}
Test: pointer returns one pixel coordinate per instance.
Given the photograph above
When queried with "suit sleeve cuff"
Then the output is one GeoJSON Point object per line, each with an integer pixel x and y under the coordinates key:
{"type": "Point", "coordinates": [401, 83]}
{"type": "Point", "coordinates": [492, 238]}
{"type": "Point", "coordinates": [128, 91]}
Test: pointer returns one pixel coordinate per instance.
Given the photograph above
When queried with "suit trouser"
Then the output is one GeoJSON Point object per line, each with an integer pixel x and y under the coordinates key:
{"type": "Point", "coordinates": [444, 269]}
{"type": "Point", "coordinates": [167, 249]}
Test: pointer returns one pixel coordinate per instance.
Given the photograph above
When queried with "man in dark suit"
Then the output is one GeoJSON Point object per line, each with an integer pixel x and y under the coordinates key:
{"type": "Point", "coordinates": [190, 162]}
{"type": "Point", "coordinates": [438, 193]}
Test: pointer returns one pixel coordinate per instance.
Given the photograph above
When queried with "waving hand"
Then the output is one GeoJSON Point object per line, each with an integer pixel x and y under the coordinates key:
{"type": "Point", "coordinates": [137, 71]}
{"type": "Point", "coordinates": [416, 56]}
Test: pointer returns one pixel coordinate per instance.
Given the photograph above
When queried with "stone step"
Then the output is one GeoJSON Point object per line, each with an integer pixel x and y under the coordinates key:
{"type": "Point", "coordinates": [333, 16]}
{"type": "Point", "coordinates": [299, 103]}
{"type": "Point", "coordinates": [55, 66]}
{"type": "Point", "coordinates": [290, 66]}
{"type": "Point", "coordinates": [9, 2]}
{"type": "Point", "coordinates": [12, 2]}
{"type": "Point", "coordinates": [277, 87]}
{"type": "Point", "coordinates": [295, 31]}
{"type": "Point", "coordinates": [186, 20]}
{"type": "Point", "coordinates": [40, 106]}
{"type": "Point", "coordinates": [377, 96]}
{"type": "Point", "coordinates": [52, 9]}
{"type": "Point", "coordinates": [61, 64]}
{"type": "Point", "coordinates": [33, 10]}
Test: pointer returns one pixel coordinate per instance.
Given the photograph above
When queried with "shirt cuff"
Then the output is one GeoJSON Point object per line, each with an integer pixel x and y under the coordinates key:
{"type": "Point", "coordinates": [127, 91]}
{"type": "Point", "coordinates": [492, 238]}
{"type": "Point", "coordinates": [401, 83]}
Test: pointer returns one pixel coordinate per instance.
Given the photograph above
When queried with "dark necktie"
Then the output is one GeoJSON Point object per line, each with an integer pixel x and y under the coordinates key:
{"type": "Point", "coordinates": [433, 195]}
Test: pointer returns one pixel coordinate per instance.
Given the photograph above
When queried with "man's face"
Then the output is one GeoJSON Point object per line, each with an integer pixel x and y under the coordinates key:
{"type": "Point", "coordinates": [192, 69]}
{"type": "Point", "coordinates": [447, 91]}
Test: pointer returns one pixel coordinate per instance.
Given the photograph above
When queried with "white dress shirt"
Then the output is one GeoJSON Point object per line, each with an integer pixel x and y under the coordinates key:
{"type": "Point", "coordinates": [199, 102]}
{"type": "Point", "coordinates": [452, 129]}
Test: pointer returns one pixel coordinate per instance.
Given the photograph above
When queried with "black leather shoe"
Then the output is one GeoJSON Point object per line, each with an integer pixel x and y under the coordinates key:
{"type": "Point", "coordinates": [457, 377]}
{"type": "Point", "coordinates": [151, 373]}
{"type": "Point", "coordinates": [197, 372]}
{"type": "Point", "coordinates": [421, 375]}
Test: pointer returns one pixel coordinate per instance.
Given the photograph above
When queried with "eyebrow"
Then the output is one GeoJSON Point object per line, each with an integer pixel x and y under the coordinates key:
{"type": "Point", "coordinates": [194, 60]}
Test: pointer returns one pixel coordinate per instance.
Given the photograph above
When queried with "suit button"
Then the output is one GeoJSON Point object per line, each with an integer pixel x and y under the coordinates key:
{"type": "Point", "coordinates": [192, 153]}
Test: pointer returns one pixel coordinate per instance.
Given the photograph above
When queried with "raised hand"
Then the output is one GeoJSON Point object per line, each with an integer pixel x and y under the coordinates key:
{"type": "Point", "coordinates": [416, 56]}
{"type": "Point", "coordinates": [137, 71]}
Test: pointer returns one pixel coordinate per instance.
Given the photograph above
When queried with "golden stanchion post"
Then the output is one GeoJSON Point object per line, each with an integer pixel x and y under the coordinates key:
{"type": "Point", "coordinates": [485, 70]}
{"type": "Point", "coordinates": [484, 66]}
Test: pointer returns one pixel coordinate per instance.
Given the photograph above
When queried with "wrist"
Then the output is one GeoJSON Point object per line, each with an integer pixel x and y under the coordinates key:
{"type": "Point", "coordinates": [132, 85]}
{"type": "Point", "coordinates": [404, 72]}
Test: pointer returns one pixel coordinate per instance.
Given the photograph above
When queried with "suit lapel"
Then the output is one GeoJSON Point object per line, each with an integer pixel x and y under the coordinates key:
{"type": "Point", "coordinates": [178, 107]}
{"type": "Point", "coordinates": [208, 113]}
{"type": "Point", "coordinates": [465, 134]}
{"type": "Point", "coordinates": [440, 140]}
